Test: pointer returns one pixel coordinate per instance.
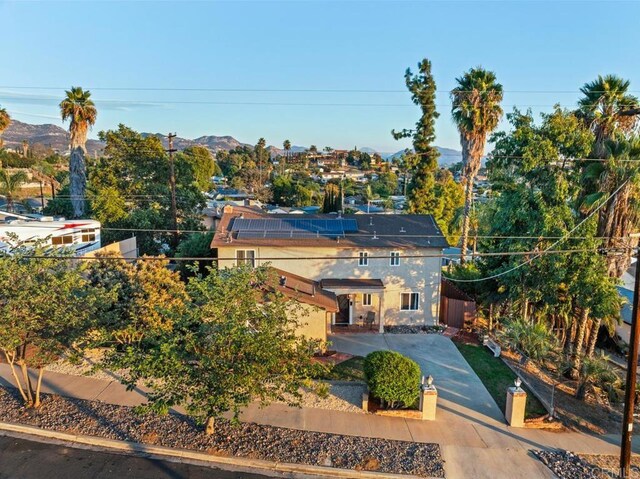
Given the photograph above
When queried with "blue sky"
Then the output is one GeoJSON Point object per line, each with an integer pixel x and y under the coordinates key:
{"type": "Point", "coordinates": [541, 52]}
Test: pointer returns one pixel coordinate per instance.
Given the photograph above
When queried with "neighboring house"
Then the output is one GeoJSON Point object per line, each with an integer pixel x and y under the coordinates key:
{"type": "Point", "coordinates": [388, 265]}
{"type": "Point", "coordinates": [81, 235]}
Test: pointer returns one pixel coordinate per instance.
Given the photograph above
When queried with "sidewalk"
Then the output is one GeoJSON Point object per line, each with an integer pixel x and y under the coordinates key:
{"type": "Point", "coordinates": [473, 447]}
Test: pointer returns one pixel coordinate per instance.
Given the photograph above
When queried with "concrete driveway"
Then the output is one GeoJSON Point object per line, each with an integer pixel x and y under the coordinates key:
{"type": "Point", "coordinates": [461, 394]}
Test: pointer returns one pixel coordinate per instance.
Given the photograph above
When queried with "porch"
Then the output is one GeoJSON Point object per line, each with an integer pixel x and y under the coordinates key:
{"type": "Point", "coordinates": [360, 304]}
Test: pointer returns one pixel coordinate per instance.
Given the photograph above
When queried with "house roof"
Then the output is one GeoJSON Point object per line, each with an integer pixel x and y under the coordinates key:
{"type": "Point", "coordinates": [370, 231]}
{"type": "Point", "coordinates": [306, 291]}
{"type": "Point", "coordinates": [352, 283]}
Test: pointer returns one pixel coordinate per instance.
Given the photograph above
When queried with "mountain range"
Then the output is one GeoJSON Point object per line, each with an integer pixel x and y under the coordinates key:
{"type": "Point", "coordinates": [57, 138]}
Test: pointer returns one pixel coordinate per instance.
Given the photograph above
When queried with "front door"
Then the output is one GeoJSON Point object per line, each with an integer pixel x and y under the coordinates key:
{"type": "Point", "coordinates": [342, 317]}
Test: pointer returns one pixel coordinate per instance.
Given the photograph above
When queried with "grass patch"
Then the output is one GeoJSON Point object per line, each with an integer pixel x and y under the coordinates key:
{"type": "Point", "coordinates": [350, 370]}
{"type": "Point", "coordinates": [497, 377]}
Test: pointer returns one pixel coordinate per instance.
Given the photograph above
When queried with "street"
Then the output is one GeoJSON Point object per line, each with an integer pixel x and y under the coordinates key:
{"type": "Point", "coordinates": [22, 459]}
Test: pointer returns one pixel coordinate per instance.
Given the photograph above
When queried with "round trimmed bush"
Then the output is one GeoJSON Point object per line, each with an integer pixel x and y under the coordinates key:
{"type": "Point", "coordinates": [392, 378]}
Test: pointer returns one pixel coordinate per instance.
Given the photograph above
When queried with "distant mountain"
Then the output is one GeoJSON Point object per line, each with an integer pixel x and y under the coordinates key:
{"type": "Point", "coordinates": [48, 135]}
{"type": "Point", "coordinates": [448, 156]}
{"type": "Point", "coordinates": [57, 138]}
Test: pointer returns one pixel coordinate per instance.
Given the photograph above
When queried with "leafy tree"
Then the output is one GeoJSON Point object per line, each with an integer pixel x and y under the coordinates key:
{"type": "Point", "coordinates": [148, 297]}
{"type": "Point", "coordinates": [235, 343]}
{"type": "Point", "coordinates": [534, 339]}
{"type": "Point", "coordinates": [423, 93]}
{"type": "Point", "coordinates": [202, 164]}
{"type": "Point", "coordinates": [135, 171]}
{"type": "Point", "coordinates": [476, 111]}
{"type": "Point", "coordinates": [197, 245]}
{"type": "Point", "coordinates": [47, 307]}
{"type": "Point", "coordinates": [5, 121]}
{"type": "Point", "coordinates": [385, 185]}
{"type": "Point", "coordinates": [10, 184]}
{"type": "Point", "coordinates": [81, 111]}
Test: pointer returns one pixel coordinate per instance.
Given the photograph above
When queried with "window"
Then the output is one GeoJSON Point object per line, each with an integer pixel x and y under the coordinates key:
{"type": "Point", "coordinates": [364, 259]}
{"type": "Point", "coordinates": [395, 258]}
{"type": "Point", "coordinates": [409, 301]}
{"type": "Point", "coordinates": [366, 300]}
{"type": "Point", "coordinates": [246, 256]}
{"type": "Point", "coordinates": [60, 240]}
{"type": "Point", "coordinates": [88, 236]}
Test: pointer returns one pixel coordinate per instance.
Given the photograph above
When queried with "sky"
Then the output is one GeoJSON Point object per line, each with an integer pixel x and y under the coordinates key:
{"type": "Point", "coordinates": [314, 72]}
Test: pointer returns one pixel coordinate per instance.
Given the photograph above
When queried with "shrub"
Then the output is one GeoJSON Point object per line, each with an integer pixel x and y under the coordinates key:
{"type": "Point", "coordinates": [392, 378]}
{"type": "Point", "coordinates": [534, 339]}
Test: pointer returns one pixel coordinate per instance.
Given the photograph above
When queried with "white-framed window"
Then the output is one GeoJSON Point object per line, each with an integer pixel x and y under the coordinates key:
{"type": "Point", "coordinates": [409, 301]}
{"type": "Point", "coordinates": [363, 259]}
{"type": "Point", "coordinates": [366, 299]}
{"type": "Point", "coordinates": [246, 256]}
{"type": "Point", "coordinates": [60, 240]}
{"type": "Point", "coordinates": [395, 258]}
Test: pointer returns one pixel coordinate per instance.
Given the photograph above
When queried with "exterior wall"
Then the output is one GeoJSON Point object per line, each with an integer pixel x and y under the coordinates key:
{"type": "Point", "coordinates": [127, 248]}
{"type": "Point", "coordinates": [421, 275]}
{"type": "Point", "coordinates": [313, 321]}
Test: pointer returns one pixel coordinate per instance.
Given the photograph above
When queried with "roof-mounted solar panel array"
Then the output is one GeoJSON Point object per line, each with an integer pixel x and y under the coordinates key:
{"type": "Point", "coordinates": [250, 228]}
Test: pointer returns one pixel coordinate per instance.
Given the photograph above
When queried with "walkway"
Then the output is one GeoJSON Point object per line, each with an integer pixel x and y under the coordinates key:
{"type": "Point", "coordinates": [475, 443]}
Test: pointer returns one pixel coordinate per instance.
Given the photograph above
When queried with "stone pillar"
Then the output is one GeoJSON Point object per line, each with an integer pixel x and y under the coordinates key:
{"type": "Point", "coordinates": [365, 401]}
{"type": "Point", "coordinates": [516, 404]}
{"type": "Point", "coordinates": [381, 312]}
{"type": "Point", "coordinates": [428, 400]}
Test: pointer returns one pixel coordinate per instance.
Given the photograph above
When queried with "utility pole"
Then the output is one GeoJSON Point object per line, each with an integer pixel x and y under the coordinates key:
{"type": "Point", "coordinates": [41, 195]}
{"type": "Point", "coordinates": [172, 185]}
{"type": "Point", "coordinates": [630, 386]}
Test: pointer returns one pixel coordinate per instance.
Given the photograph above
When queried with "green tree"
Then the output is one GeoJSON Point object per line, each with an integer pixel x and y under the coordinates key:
{"type": "Point", "coordinates": [197, 245]}
{"type": "Point", "coordinates": [10, 184]}
{"type": "Point", "coordinates": [202, 164]}
{"type": "Point", "coordinates": [148, 296]}
{"type": "Point", "coordinates": [234, 344]}
{"type": "Point", "coordinates": [262, 158]}
{"type": "Point", "coordinates": [5, 121]}
{"type": "Point", "coordinates": [422, 86]}
{"type": "Point", "coordinates": [82, 113]}
{"type": "Point", "coordinates": [47, 308]}
{"type": "Point", "coordinates": [476, 111]}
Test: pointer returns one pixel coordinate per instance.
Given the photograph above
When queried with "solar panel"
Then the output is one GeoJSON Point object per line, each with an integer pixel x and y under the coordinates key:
{"type": "Point", "coordinates": [294, 227]}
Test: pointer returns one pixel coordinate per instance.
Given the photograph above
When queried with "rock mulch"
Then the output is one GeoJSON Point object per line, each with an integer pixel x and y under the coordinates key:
{"type": "Point", "coordinates": [250, 440]}
{"type": "Point", "coordinates": [413, 329]}
{"type": "Point", "coordinates": [341, 397]}
{"type": "Point", "coordinates": [567, 465]}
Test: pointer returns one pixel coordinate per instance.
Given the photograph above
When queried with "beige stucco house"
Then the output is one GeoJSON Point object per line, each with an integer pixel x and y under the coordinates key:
{"type": "Point", "coordinates": [382, 267]}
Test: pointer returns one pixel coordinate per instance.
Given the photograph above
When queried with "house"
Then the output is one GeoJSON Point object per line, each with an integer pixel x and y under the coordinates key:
{"type": "Point", "coordinates": [385, 266]}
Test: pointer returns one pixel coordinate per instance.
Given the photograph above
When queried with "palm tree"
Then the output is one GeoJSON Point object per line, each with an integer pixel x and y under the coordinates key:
{"type": "Point", "coordinates": [5, 121]}
{"type": "Point", "coordinates": [287, 147]}
{"type": "Point", "coordinates": [595, 371]}
{"type": "Point", "coordinates": [80, 109]}
{"type": "Point", "coordinates": [10, 184]}
{"type": "Point", "coordinates": [605, 108]}
{"type": "Point", "coordinates": [476, 111]}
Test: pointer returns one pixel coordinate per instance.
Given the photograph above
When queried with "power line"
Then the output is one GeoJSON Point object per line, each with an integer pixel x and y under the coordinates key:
{"type": "Point", "coordinates": [288, 90]}
{"type": "Point", "coordinates": [306, 258]}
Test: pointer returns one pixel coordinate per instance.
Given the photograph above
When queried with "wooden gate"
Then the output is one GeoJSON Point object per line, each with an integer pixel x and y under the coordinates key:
{"type": "Point", "coordinates": [457, 309]}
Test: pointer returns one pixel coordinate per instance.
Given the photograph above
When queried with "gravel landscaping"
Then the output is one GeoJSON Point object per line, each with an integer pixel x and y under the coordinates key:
{"type": "Point", "coordinates": [270, 443]}
{"type": "Point", "coordinates": [567, 465]}
{"type": "Point", "coordinates": [414, 329]}
{"type": "Point", "coordinates": [341, 397]}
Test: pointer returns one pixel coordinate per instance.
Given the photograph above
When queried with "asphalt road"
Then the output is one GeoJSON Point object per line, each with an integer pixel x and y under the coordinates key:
{"type": "Point", "coordinates": [22, 459]}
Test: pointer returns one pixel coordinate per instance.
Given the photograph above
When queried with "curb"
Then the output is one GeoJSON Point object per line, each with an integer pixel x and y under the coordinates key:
{"type": "Point", "coordinates": [191, 457]}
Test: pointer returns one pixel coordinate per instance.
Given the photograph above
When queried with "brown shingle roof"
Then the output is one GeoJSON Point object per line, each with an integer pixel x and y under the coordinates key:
{"type": "Point", "coordinates": [306, 291]}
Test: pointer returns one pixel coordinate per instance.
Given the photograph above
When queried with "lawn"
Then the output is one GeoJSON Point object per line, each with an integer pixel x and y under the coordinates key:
{"type": "Point", "coordinates": [350, 370]}
{"type": "Point", "coordinates": [497, 377]}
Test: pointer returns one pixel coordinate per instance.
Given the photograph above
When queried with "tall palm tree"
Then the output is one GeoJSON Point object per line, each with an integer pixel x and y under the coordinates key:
{"type": "Point", "coordinates": [287, 148]}
{"type": "Point", "coordinates": [476, 111]}
{"type": "Point", "coordinates": [608, 110]}
{"type": "Point", "coordinates": [10, 184]}
{"type": "Point", "coordinates": [80, 109]}
{"type": "Point", "coordinates": [5, 121]}
{"type": "Point", "coordinates": [605, 107]}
